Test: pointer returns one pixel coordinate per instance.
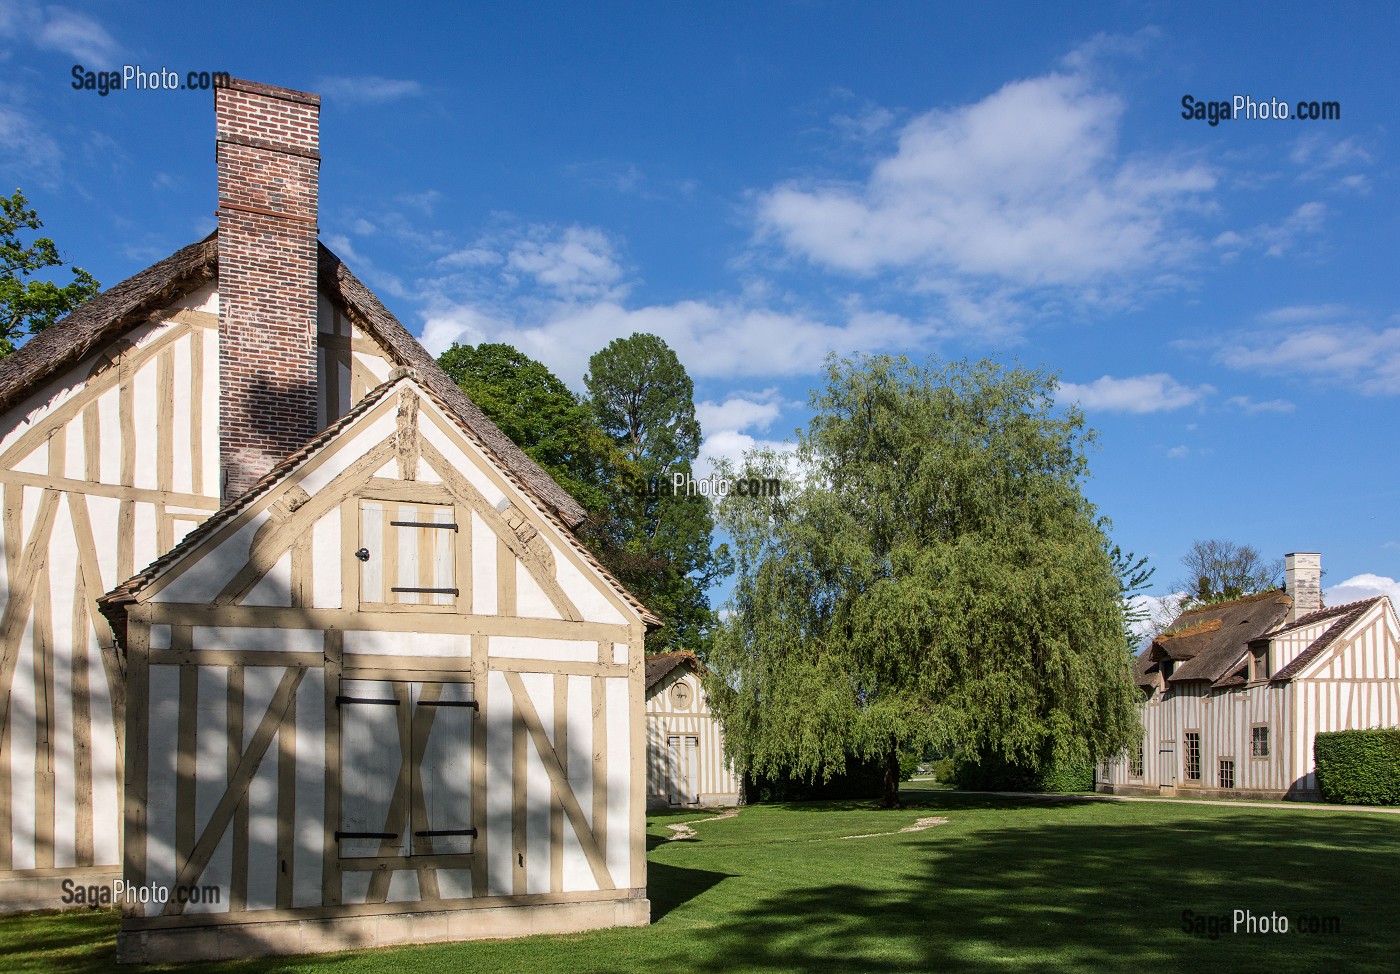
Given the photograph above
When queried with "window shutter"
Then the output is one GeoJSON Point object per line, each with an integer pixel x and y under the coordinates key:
{"type": "Point", "coordinates": [370, 767]}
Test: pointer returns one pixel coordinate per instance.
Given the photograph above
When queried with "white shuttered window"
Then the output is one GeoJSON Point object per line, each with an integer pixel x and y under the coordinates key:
{"type": "Point", "coordinates": [405, 759]}
{"type": "Point", "coordinates": [406, 554]}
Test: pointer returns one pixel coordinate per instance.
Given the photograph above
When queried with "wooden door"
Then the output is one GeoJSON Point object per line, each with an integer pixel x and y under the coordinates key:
{"type": "Point", "coordinates": [683, 785]}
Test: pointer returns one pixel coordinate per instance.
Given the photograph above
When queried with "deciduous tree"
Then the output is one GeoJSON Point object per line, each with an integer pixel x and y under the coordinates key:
{"type": "Point", "coordinates": [28, 305]}
{"type": "Point", "coordinates": [657, 542]}
{"type": "Point", "coordinates": [933, 577]}
{"type": "Point", "coordinates": [540, 414]}
{"type": "Point", "coordinates": [1218, 571]}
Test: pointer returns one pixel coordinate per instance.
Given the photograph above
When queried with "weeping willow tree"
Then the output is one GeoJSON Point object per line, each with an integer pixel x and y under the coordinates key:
{"type": "Point", "coordinates": [932, 575]}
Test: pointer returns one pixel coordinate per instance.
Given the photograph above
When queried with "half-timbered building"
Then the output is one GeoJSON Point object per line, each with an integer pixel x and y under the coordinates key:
{"type": "Point", "coordinates": [245, 418]}
{"type": "Point", "coordinates": [685, 742]}
{"type": "Point", "coordinates": [1235, 693]}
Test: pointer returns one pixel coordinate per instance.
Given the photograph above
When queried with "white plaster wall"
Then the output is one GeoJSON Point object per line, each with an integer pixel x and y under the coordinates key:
{"type": "Point", "coordinates": [310, 789]}
{"type": "Point", "coordinates": [619, 853]}
{"type": "Point", "coordinates": [483, 567]}
{"type": "Point", "coordinates": [211, 780]}
{"type": "Point", "coordinates": [530, 600]}
{"type": "Point", "coordinates": [280, 640]}
{"type": "Point", "coordinates": [500, 856]}
{"type": "Point", "coordinates": [446, 645]}
{"type": "Point", "coordinates": [529, 647]}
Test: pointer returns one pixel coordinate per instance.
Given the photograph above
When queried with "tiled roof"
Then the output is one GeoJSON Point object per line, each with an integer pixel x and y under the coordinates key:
{"type": "Point", "coordinates": [1345, 615]}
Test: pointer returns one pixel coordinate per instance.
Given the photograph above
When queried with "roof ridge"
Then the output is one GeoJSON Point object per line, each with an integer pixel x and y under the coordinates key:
{"type": "Point", "coordinates": [1318, 615]}
{"type": "Point", "coordinates": [1253, 597]}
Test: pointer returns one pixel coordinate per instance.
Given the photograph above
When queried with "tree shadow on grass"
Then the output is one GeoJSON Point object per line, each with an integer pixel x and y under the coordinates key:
{"type": "Point", "coordinates": [1090, 897]}
{"type": "Point", "coordinates": [671, 886]}
{"type": "Point", "coordinates": [72, 941]}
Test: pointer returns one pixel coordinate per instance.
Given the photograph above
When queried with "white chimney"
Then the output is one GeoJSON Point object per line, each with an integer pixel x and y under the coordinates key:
{"type": "Point", "coordinates": [1303, 582]}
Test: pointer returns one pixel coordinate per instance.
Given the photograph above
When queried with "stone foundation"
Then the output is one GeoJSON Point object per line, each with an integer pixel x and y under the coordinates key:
{"type": "Point", "coordinates": [202, 941]}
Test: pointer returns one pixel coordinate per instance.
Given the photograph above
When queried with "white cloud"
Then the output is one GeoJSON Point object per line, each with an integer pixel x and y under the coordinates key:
{"type": "Point", "coordinates": [367, 89]}
{"type": "Point", "coordinates": [1275, 239]}
{"type": "Point", "coordinates": [1292, 314]}
{"type": "Point", "coordinates": [1316, 153]}
{"type": "Point", "coordinates": [1362, 586]}
{"type": "Point", "coordinates": [25, 145]}
{"type": "Point", "coordinates": [1158, 612]}
{"type": "Point", "coordinates": [1154, 393]}
{"type": "Point", "coordinates": [1253, 407]}
{"type": "Point", "coordinates": [1325, 342]}
{"type": "Point", "coordinates": [731, 445]}
{"type": "Point", "coordinates": [1025, 187]}
{"type": "Point", "coordinates": [340, 245]}
{"type": "Point", "coordinates": [1178, 452]}
{"type": "Point", "coordinates": [62, 30]}
{"type": "Point", "coordinates": [579, 263]}
{"type": "Point", "coordinates": [720, 339]}
{"type": "Point", "coordinates": [740, 412]}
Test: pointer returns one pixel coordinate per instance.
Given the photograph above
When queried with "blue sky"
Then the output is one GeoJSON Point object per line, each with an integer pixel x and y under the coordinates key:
{"type": "Point", "coordinates": [761, 184]}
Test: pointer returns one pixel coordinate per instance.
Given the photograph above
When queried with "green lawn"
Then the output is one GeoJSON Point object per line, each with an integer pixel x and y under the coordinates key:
{"type": "Point", "coordinates": [1004, 885]}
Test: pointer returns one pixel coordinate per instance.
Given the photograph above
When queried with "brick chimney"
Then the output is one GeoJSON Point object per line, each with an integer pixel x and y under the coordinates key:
{"type": "Point", "coordinates": [1302, 572]}
{"type": "Point", "coordinates": [269, 163]}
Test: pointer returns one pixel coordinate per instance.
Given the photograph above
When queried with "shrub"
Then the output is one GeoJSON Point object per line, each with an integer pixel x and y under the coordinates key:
{"type": "Point", "coordinates": [993, 773]}
{"type": "Point", "coordinates": [1358, 767]}
{"type": "Point", "coordinates": [861, 779]}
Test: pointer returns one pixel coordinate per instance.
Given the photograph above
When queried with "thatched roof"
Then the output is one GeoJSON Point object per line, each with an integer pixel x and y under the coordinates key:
{"type": "Point", "coordinates": [114, 311]}
{"type": "Point", "coordinates": [1210, 643]}
{"type": "Point", "coordinates": [1207, 643]}
{"type": "Point", "coordinates": [661, 665]}
{"type": "Point", "coordinates": [103, 319]}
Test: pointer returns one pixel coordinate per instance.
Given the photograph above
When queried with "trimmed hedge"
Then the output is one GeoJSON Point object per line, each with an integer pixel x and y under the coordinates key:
{"type": "Point", "coordinates": [1358, 767]}
{"type": "Point", "coordinates": [993, 773]}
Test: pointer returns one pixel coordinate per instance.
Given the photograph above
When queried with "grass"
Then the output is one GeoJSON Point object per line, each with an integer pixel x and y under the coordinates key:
{"type": "Point", "coordinates": [1005, 885]}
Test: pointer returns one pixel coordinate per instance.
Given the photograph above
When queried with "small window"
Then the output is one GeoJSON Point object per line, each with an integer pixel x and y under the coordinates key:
{"type": "Point", "coordinates": [1259, 741]}
{"type": "Point", "coordinates": [1227, 772]}
{"type": "Point", "coordinates": [407, 554]}
{"type": "Point", "coordinates": [1193, 755]}
{"type": "Point", "coordinates": [1259, 664]}
{"type": "Point", "coordinates": [1135, 759]}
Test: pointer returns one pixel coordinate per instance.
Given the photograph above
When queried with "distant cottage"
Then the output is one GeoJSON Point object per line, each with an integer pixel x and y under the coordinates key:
{"type": "Point", "coordinates": [685, 743]}
{"type": "Point", "coordinates": [354, 677]}
{"type": "Point", "coordinates": [1234, 694]}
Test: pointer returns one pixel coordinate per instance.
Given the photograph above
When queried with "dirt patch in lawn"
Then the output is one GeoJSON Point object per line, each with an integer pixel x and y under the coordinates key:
{"type": "Point", "coordinates": [918, 826]}
{"type": "Point", "coordinates": [683, 830]}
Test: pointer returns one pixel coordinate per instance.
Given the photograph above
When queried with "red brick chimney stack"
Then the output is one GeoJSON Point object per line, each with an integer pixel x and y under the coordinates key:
{"type": "Point", "coordinates": [269, 163]}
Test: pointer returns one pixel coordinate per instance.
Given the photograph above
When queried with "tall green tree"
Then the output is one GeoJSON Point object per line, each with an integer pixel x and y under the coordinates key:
{"type": "Point", "coordinates": [933, 577]}
{"type": "Point", "coordinates": [28, 304]}
{"type": "Point", "coordinates": [656, 541]}
{"type": "Point", "coordinates": [541, 415]}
